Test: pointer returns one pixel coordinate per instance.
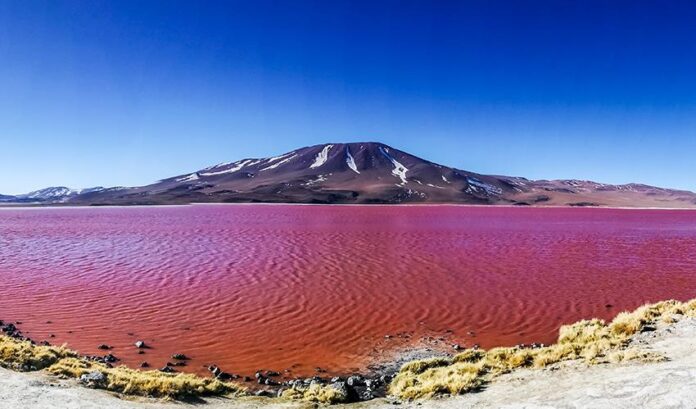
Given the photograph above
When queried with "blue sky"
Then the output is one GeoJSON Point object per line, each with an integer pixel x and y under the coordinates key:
{"type": "Point", "coordinates": [128, 92]}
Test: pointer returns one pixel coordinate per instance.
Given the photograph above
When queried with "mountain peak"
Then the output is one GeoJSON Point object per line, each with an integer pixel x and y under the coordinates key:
{"type": "Point", "coordinates": [362, 172]}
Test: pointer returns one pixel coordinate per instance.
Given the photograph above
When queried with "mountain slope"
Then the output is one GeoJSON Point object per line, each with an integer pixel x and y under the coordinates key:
{"type": "Point", "coordinates": [332, 173]}
{"type": "Point", "coordinates": [7, 198]}
{"type": "Point", "coordinates": [366, 172]}
{"type": "Point", "coordinates": [372, 172]}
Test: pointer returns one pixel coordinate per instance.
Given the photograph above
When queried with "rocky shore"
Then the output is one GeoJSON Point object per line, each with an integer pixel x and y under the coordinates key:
{"type": "Point", "coordinates": [669, 383]}
{"type": "Point", "coordinates": [265, 383]}
{"type": "Point", "coordinates": [651, 349]}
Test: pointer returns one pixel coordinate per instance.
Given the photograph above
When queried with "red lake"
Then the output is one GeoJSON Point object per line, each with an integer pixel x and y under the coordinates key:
{"type": "Point", "coordinates": [286, 287]}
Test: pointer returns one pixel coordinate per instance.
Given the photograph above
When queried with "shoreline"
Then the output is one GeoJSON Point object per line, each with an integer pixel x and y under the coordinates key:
{"type": "Point", "coordinates": [25, 206]}
{"type": "Point", "coordinates": [593, 342]}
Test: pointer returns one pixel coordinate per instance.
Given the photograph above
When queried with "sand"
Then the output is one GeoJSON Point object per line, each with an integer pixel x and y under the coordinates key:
{"type": "Point", "coordinates": [659, 385]}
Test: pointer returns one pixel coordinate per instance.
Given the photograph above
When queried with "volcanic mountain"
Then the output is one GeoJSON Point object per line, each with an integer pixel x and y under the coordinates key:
{"type": "Point", "coordinates": [372, 172]}
{"type": "Point", "coordinates": [366, 172]}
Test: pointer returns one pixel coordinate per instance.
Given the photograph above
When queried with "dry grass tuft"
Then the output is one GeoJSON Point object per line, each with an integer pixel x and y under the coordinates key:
{"type": "Point", "coordinates": [22, 355]}
{"type": "Point", "coordinates": [469, 355]}
{"type": "Point", "coordinates": [416, 367]}
{"type": "Point", "coordinates": [316, 393]}
{"type": "Point", "coordinates": [593, 341]}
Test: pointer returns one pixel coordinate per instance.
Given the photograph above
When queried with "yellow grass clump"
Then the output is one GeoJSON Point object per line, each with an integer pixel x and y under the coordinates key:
{"type": "Point", "coordinates": [317, 393]}
{"type": "Point", "coordinates": [23, 355]}
{"type": "Point", "coordinates": [593, 341]}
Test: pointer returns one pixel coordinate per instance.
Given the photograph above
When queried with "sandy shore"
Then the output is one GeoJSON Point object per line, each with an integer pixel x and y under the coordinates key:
{"type": "Point", "coordinates": [668, 384]}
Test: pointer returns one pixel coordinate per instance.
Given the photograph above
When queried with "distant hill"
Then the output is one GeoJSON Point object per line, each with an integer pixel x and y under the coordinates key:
{"type": "Point", "coordinates": [366, 172]}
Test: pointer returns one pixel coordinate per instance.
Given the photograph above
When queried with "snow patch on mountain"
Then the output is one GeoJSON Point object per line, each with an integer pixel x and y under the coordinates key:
{"type": "Point", "coordinates": [275, 158]}
{"type": "Point", "coordinates": [485, 186]}
{"type": "Point", "coordinates": [319, 179]}
{"type": "Point", "coordinates": [189, 178]}
{"type": "Point", "coordinates": [399, 170]}
{"type": "Point", "coordinates": [238, 166]}
{"type": "Point", "coordinates": [350, 161]}
{"type": "Point", "coordinates": [49, 193]}
{"type": "Point", "coordinates": [275, 165]}
{"type": "Point", "coordinates": [91, 190]}
{"type": "Point", "coordinates": [321, 157]}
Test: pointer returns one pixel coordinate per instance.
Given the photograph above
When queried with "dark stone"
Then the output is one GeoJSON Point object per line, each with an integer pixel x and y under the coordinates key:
{"type": "Point", "coordinates": [110, 358]}
{"type": "Point", "coordinates": [367, 394]}
{"type": "Point", "coordinates": [180, 357]}
{"type": "Point", "coordinates": [264, 393]}
{"type": "Point", "coordinates": [341, 387]}
{"type": "Point", "coordinates": [167, 369]}
{"type": "Point", "coordinates": [144, 365]}
{"type": "Point", "coordinates": [355, 380]}
{"type": "Point", "coordinates": [104, 346]}
{"type": "Point", "coordinates": [224, 376]}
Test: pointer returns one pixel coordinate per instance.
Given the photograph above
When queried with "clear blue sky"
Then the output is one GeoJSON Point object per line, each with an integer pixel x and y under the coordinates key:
{"type": "Point", "coordinates": [128, 92]}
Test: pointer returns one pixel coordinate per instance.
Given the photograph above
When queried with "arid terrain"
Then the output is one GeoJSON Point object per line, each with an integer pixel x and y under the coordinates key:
{"type": "Point", "coordinates": [359, 173]}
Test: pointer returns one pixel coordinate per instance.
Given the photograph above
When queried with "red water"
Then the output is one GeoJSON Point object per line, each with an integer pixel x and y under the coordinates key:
{"type": "Point", "coordinates": [299, 287]}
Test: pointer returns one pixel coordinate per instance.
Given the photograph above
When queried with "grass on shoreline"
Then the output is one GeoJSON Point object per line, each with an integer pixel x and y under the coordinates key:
{"type": "Point", "coordinates": [326, 394]}
{"type": "Point", "coordinates": [593, 341]}
{"type": "Point", "coordinates": [25, 356]}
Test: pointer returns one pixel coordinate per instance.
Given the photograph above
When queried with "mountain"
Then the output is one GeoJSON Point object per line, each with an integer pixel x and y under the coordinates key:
{"type": "Point", "coordinates": [366, 172]}
{"type": "Point", "coordinates": [372, 172]}
{"type": "Point", "coordinates": [54, 194]}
